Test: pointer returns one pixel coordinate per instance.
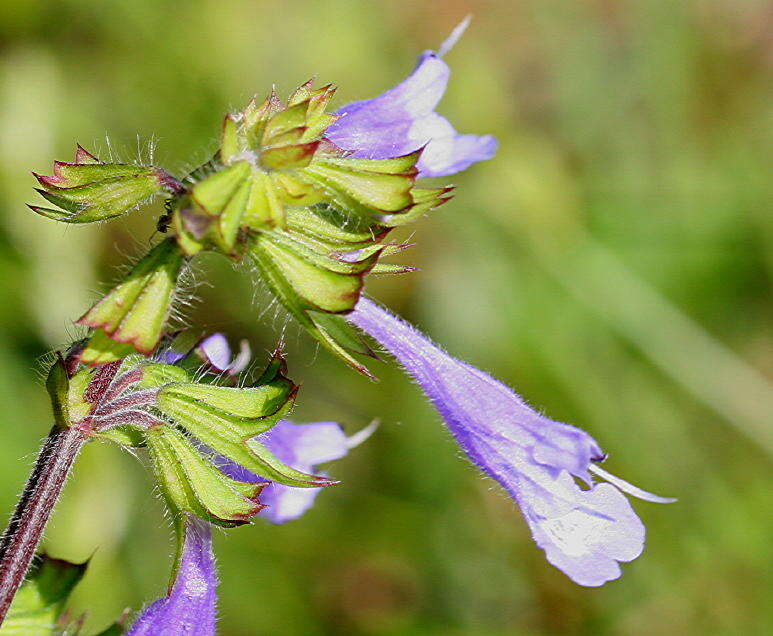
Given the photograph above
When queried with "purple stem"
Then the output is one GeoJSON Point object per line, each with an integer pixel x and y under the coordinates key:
{"type": "Point", "coordinates": [21, 538]}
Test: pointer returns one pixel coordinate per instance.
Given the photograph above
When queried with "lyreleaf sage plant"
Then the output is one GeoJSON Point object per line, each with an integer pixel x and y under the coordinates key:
{"type": "Point", "coordinates": [308, 198]}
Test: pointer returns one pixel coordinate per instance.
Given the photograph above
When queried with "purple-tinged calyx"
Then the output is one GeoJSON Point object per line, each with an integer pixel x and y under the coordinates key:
{"type": "Point", "coordinates": [585, 531]}
{"type": "Point", "coordinates": [404, 120]}
{"type": "Point", "coordinates": [191, 603]}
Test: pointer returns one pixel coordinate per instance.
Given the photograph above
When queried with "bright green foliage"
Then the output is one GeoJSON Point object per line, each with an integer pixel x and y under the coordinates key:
{"type": "Point", "coordinates": [133, 315]}
{"type": "Point", "coordinates": [37, 609]}
{"type": "Point", "coordinates": [88, 190]}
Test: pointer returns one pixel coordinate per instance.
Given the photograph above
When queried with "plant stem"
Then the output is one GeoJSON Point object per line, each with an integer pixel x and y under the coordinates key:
{"type": "Point", "coordinates": [21, 538]}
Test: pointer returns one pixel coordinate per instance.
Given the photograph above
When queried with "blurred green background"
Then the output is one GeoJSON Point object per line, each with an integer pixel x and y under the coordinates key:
{"type": "Point", "coordinates": [610, 263]}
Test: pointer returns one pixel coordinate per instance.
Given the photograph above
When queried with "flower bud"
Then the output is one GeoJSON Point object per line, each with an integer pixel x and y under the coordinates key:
{"type": "Point", "coordinates": [88, 190]}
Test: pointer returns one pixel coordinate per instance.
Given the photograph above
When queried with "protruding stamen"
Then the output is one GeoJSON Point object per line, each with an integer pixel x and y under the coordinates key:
{"type": "Point", "coordinates": [453, 38]}
{"type": "Point", "coordinates": [362, 435]}
{"type": "Point", "coordinates": [629, 488]}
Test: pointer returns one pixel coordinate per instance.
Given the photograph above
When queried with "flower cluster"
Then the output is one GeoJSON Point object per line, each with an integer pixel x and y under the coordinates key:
{"type": "Point", "coordinates": [308, 197]}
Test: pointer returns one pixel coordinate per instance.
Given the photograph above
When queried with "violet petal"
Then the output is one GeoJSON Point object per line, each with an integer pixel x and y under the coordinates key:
{"type": "Point", "coordinates": [403, 119]}
{"type": "Point", "coordinates": [584, 532]}
{"type": "Point", "coordinates": [190, 606]}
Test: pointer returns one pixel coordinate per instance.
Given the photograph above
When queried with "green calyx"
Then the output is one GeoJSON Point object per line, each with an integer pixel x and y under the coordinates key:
{"type": "Point", "coordinates": [133, 315]}
{"type": "Point", "coordinates": [190, 483]}
{"type": "Point", "coordinates": [227, 421]}
{"type": "Point", "coordinates": [186, 426]}
{"type": "Point", "coordinates": [87, 190]}
{"type": "Point", "coordinates": [273, 159]}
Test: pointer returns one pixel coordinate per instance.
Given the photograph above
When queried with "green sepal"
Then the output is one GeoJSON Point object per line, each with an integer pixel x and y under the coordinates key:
{"type": "Point", "coordinates": [288, 156]}
{"type": "Point", "coordinates": [58, 387]}
{"type": "Point", "coordinates": [264, 205]}
{"type": "Point", "coordinates": [425, 200]}
{"type": "Point", "coordinates": [77, 406]}
{"type": "Point", "coordinates": [191, 483]}
{"type": "Point", "coordinates": [157, 374]}
{"type": "Point", "coordinates": [340, 331]}
{"type": "Point", "coordinates": [335, 228]}
{"type": "Point", "coordinates": [39, 604]}
{"type": "Point", "coordinates": [391, 269]}
{"type": "Point", "coordinates": [127, 435]}
{"type": "Point", "coordinates": [229, 142]}
{"type": "Point", "coordinates": [228, 420]}
{"type": "Point", "coordinates": [101, 349]}
{"type": "Point", "coordinates": [302, 282]}
{"type": "Point", "coordinates": [310, 285]}
{"type": "Point", "coordinates": [135, 312]}
{"type": "Point", "coordinates": [87, 190]}
{"type": "Point", "coordinates": [243, 409]}
{"type": "Point", "coordinates": [214, 192]}
{"type": "Point", "coordinates": [380, 192]}
{"type": "Point", "coordinates": [189, 243]}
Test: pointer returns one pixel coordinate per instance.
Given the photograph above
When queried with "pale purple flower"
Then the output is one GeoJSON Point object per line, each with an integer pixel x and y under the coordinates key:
{"type": "Point", "coordinates": [303, 447]}
{"type": "Point", "coordinates": [217, 352]}
{"type": "Point", "coordinates": [190, 606]}
{"type": "Point", "coordinates": [403, 120]}
{"type": "Point", "coordinates": [584, 531]}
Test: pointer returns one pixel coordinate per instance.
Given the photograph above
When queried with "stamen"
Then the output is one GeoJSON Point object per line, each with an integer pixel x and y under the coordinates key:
{"type": "Point", "coordinates": [360, 436]}
{"type": "Point", "coordinates": [629, 488]}
{"type": "Point", "coordinates": [453, 38]}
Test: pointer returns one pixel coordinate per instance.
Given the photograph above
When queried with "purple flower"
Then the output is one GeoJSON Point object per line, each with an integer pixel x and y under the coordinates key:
{"type": "Point", "coordinates": [190, 606]}
{"type": "Point", "coordinates": [302, 446]}
{"type": "Point", "coordinates": [583, 531]}
{"type": "Point", "coordinates": [403, 120]}
{"type": "Point", "coordinates": [217, 352]}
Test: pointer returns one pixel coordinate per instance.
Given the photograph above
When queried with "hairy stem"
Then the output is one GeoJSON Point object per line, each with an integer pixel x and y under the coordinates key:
{"type": "Point", "coordinates": [21, 538]}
